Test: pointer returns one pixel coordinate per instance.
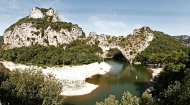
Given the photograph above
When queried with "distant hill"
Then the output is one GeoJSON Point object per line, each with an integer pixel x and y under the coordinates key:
{"type": "Point", "coordinates": [184, 38]}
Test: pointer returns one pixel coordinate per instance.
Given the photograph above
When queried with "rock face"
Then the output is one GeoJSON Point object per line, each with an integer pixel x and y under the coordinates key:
{"type": "Point", "coordinates": [42, 26]}
{"type": "Point", "coordinates": [129, 46]}
{"type": "Point", "coordinates": [42, 13]}
{"type": "Point", "coordinates": [184, 38]}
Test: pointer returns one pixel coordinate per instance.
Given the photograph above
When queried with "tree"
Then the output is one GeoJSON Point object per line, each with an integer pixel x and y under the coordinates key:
{"type": "Point", "coordinates": [177, 57]}
{"type": "Point", "coordinates": [161, 45]}
{"type": "Point", "coordinates": [129, 99]}
{"type": "Point", "coordinates": [184, 95]}
{"type": "Point", "coordinates": [178, 93]}
{"type": "Point", "coordinates": [170, 95]}
{"type": "Point", "coordinates": [4, 75]}
{"type": "Point", "coordinates": [31, 87]}
{"type": "Point", "coordinates": [171, 73]}
{"type": "Point", "coordinates": [175, 67]}
{"type": "Point", "coordinates": [76, 52]}
{"type": "Point", "coordinates": [172, 85]}
{"type": "Point", "coordinates": [51, 95]}
{"type": "Point", "coordinates": [146, 99]}
{"type": "Point", "coordinates": [109, 101]}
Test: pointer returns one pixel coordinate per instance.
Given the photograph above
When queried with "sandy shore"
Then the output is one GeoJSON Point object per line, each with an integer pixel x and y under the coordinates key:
{"type": "Point", "coordinates": [155, 73]}
{"type": "Point", "coordinates": [73, 77]}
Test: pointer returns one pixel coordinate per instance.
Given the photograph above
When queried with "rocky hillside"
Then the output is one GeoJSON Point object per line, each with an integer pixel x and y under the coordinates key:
{"type": "Point", "coordinates": [129, 46]}
{"type": "Point", "coordinates": [43, 27]}
{"type": "Point", "coordinates": [162, 45]}
{"type": "Point", "coordinates": [184, 38]}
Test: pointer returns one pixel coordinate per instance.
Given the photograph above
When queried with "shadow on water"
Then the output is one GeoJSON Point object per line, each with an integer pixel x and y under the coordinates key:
{"type": "Point", "coordinates": [142, 86]}
{"type": "Point", "coordinates": [122, 77]}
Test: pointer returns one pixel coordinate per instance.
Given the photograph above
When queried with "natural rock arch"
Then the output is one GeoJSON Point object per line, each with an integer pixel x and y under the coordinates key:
{"type": "Point", "coordinates": [116, 54]}
{"type": "Point", "coordinates": [129, 46]}
{"type": "Point", "coordinates": [122, 50]}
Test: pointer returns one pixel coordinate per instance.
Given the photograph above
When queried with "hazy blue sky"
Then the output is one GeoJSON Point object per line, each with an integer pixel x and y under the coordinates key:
{"type": "Point", "coordinates": [114, 17]}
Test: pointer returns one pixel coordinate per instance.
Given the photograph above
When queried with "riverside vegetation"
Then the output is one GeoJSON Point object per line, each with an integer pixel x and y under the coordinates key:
{"type": "Point", "coordinates": [29, 87]}
{"type": "Point", "coordinates": [160, 48]}
{"type": "Point", "coordinates": [172, 85]}
{"type": "Point", "coordinates": [170, 88]}
{"type": "Point", "coordinates": [74, 53]}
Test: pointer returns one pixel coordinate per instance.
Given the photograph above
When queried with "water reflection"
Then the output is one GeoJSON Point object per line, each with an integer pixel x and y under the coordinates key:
{"type": "Point", "coordinates": [121, 78]}
{"type": "Point", "coordinates": [122, 73]}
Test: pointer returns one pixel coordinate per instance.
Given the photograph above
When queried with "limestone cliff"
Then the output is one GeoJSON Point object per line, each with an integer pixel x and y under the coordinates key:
{"type": "Point", "coordinates": [129, 46]}
{"type": "Point", "coordinates": [42, 26]}
{"type": "Point", "coordinates": [42, 13]}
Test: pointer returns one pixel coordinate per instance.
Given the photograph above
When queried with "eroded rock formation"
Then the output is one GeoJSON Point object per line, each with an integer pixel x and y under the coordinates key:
{"type": "Point", "coordinates": [129, 46]}
{"type": "Point", "coordinates": [42, 13]}
{"type": "Point", "coordinates": [42, 26]}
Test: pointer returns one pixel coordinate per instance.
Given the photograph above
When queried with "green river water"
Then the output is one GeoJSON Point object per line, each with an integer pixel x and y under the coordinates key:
{"type": "Point", "coordinates": [121, 78]}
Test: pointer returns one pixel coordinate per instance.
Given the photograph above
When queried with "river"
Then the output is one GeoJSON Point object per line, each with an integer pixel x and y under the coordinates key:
{"type": "Point", "coordinates": [122, 77]}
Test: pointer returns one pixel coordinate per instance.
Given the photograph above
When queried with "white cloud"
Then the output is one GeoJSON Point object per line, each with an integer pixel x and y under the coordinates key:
{"type": "Point", "coordinates": [111, 26]}
{"type": "Point", "coordinates": [105, 23]}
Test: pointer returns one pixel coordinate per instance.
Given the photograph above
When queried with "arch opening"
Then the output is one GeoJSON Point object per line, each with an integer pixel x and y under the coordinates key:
{"type": "Point", "coordinates": [116, 54]}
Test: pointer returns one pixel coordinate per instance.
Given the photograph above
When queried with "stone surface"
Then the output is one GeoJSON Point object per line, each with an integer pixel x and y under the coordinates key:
{"type": "Point", "coordinates": [136, 43]}
{"type": "Point", "coordinates": [38, 13]}
{"type": "Point", "coordinates": [26, 34]}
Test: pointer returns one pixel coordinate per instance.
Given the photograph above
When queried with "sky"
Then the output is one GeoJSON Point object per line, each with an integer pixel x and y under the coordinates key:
{"type": "Point", "coordinates": [111, 17]}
